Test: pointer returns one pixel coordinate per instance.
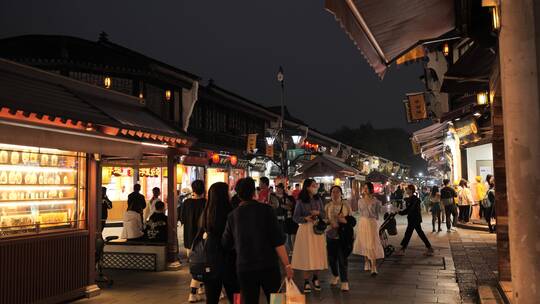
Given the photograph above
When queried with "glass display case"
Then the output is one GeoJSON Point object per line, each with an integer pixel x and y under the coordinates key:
{"type": "Point", "coordinates": [40, 189]}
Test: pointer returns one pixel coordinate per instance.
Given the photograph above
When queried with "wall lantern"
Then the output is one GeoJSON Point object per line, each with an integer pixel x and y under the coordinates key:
{"type": "Point", "coordinates": [107, 82]}
{"type": "Point", "coordinates": [234, 160]}
{"type": "Point", "coordinates": [446, 49]}
{"type": "Point", "coordinates": [215, 158]}
{"type": "Point", "coordinates": [141, 95]}
{"type": "Point", "coordinates": [270, 140]}
{"type": "Point", "coordinates": [482, 98]}
{"type": "Point", "coordinates": [168, 95]}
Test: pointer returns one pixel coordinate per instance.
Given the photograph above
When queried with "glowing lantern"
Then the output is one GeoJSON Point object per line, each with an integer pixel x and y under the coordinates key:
{"type": "Point", "coordinates": [215, 158]}
{"type": "Point", "coordinates": [234, 160]}
{"type": "Point", "coordinates": [168, 95]}
{"type": "Point", "coordinates": [482, 98]}
{"type": "Point", "coordinates": [107, 82]}
{"type": "Point", "coordinates": [446, 49]}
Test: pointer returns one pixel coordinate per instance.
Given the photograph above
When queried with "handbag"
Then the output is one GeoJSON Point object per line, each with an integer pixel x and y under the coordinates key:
{"type": "Point", "coordinates": [291, 296]}
{"type": "Point", "coordinates": [319, 227]}
{"type": "Point", "coordinates": [202, 265]}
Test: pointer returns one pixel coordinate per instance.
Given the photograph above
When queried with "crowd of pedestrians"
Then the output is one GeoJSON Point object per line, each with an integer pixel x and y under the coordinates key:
{"type": "Point", "coordinates": [245, 241]}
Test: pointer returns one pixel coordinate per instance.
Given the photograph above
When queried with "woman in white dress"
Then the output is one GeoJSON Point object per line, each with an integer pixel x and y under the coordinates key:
{"type": "Point", "coordinates": [368, 243]}
{"type": "Point", "coordinates": [309, 253]}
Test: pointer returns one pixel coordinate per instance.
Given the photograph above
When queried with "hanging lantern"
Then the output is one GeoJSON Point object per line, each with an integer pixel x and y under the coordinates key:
{"type": "Point", "coordinates": [234, 160]}
{"type": "Point", "coordinates": [482, 98]}
{"type": "Point", "coordinates": [168, 95]}
{"type": "Point", "coordinates": [107, 82]}
{"type": "Point", "coordinates": [215, 158]}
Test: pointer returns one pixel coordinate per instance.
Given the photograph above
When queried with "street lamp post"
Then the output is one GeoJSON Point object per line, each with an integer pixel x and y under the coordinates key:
{"type": "Point", "coordinates": [283, 150]}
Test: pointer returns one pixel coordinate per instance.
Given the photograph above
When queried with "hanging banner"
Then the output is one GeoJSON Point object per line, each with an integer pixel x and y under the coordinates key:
{"type": "Point", "coordinates": [270, 151]}
{"type": "Point", "coordinates": [415, 147]}
{"type": "Point", "coordinates": [416, 107]}
{"type": "Point", "coordinates": [251, 143]}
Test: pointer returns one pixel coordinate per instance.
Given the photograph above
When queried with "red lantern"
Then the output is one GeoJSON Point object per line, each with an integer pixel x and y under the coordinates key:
{"type": "Point", "coordinates": [215, 158]}
{"type": "Point", "coordinates": [234, 160]}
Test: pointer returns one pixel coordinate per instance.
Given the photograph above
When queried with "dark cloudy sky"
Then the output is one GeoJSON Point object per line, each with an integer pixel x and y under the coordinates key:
{"type": "Point", "coordinates": [240, 44]}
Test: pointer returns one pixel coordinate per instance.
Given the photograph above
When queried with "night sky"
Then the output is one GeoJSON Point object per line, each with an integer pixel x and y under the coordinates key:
{"type": "Point", "coordinates": [240, 44]}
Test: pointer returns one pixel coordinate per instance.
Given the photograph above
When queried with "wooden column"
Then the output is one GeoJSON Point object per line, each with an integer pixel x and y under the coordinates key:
{"type": "Point", "coordinates": [520, 66]}
{"type": "Point", "coordinates": [501, 203]}
{"type": "Point", "coordinates": [172, 203]}
{"type": "Point", "coordinates": [93, 180]}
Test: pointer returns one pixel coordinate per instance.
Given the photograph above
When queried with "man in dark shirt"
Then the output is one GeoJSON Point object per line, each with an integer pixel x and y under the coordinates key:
{"type": "Point", "coordinates": [414, 221]}
{"type": "Point", "coordinates": [252, 230]}
{"type": "Point", "coordinates": [136, 201]}
{"type": "Point", "coordinates": [398, 197]}
{"type": "Point", "coordinates": [191, 211]}
{"type": "Point", "coordinates": [156, 227]}
{"type": "Point", "coordinates": [447, 199]}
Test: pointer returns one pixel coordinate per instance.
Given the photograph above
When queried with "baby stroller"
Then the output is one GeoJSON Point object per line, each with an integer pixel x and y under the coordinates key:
{"type": "Point", "coordinates": [388, 227]}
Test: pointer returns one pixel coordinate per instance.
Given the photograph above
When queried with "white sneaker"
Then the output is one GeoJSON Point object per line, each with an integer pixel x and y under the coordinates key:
{"type": "Point", "coordinates": [334, 281]}
{"type": "Point", "coordinates": [200, 290]}
{"type": "Point", "coordinates": [193, 298]}
{"type": "Point", "coordinates": [345, 286]}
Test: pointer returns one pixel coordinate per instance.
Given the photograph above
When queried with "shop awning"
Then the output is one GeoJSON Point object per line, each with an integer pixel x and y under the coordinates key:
{"type": "Point", "coordinates": [383, 30]}
{"type": "Point", "coordinates": [44, 97]}
{"type": "Point", "coordinates": [471, 72]}
{"type": "Point", "coordinates": [326, 165]}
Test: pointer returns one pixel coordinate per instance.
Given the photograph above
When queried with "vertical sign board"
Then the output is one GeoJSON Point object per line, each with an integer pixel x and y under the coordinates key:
{"type": "Point", "coordinates": [251, 143]}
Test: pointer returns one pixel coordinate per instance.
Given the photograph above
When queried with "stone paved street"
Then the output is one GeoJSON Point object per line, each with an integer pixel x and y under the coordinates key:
{"type": "Point", "coordinates": [461, 261]}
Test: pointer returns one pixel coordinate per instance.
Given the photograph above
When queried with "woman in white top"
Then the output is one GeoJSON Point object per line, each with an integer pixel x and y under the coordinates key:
{"type": "Point", "coordinates": [368, 243]}
{"type": "Point", "coordinates": [465, 201]}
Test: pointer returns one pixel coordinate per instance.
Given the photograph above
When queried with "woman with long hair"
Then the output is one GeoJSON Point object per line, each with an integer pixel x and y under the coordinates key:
{"type": "Point", "coordinates": [435, 207]}
{"type": "Point", "coordinates": [367, 243]}
{"type": "Point", "coordinates": [212, 222]}
{"type": "Point", "coordinates": [309, 253]}
{"type": "Point", "coordinates": [465, 201]}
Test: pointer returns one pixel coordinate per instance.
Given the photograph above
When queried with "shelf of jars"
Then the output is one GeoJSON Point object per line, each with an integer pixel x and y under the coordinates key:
{"type": "Point", "coordinates": [37, 189]}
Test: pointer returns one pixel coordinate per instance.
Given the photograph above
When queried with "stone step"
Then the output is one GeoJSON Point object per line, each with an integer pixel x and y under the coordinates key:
{"type": "Point", "coordinates": [489, 295]}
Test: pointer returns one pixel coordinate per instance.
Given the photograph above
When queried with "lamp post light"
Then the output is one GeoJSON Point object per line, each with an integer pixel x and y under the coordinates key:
{"type": "Point", "coordinates": [296, 139]}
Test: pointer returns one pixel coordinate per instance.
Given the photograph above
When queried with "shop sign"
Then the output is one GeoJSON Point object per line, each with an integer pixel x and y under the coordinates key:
{"type": "Point", "coordinates": [149, 172]}
{"type": "Point", "coordinates": [121, 171]}
{"type": "Point", "coordinates": [294, 153]}
{"type": "Point", "coordinates": [466, 127]}
{"type": "Point", "coordinates": [416, 107]}
{"type": "Point", "coordinates": [251, 143]}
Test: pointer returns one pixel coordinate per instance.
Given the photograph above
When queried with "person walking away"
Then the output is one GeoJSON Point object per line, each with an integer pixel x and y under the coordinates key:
{"type": "Point", "coordinates": [212, 222]}
{"type": "Point", "coordinates": [447, 199]}
{"type": "Point", "coordinates": [156, 226]}
{"type": "Point", "coordinates": [489, 206]}
{"type": "Point", "coordinates": [309, 253]}
{"type": "Point", "coordinates": [106, 204]}
{"type": "Point", "coordinates": [252, 231]}
{"type": "Point", "coordinates": [337, 212]}
{"type": "Point", "coordinates": [414, 221]}
{"type": "Point", "coordinates": [465, 201]}
{"type": "Point", "coordinates": [398, 196]}
{"type": "Point", "coordinates": [189, 217]}
{"type": "Point", "coordinates": [264, 192]}
{"type": "Point", "coordinates": [368, 243]}
{"type": "Point", "coordinates": [156, 192]}
{"type": "Point", "coordinates": [136, 201]}
{"type": "Point", "coordinates": [283, 204]}
{"type": "Point", "coordinates": [435, 207]}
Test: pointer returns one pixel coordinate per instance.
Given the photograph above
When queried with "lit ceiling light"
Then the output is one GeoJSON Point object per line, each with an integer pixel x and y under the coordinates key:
{"type": "Point", "coordinates": [482, 98]}
{"type": "Point", "coordinates": [155, 145]}
{"type": "Point", "coordinates": [477, 114]}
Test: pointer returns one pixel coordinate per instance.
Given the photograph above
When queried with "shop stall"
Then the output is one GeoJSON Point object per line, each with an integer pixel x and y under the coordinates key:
{"type": "Point", "coordinates": [51, 147]}
{"type": "Point", "coordinates": [329, 170]}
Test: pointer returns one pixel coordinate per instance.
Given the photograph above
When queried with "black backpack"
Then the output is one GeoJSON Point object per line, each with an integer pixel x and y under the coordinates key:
{"type": "Point", "coordinates": [204, 257]}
